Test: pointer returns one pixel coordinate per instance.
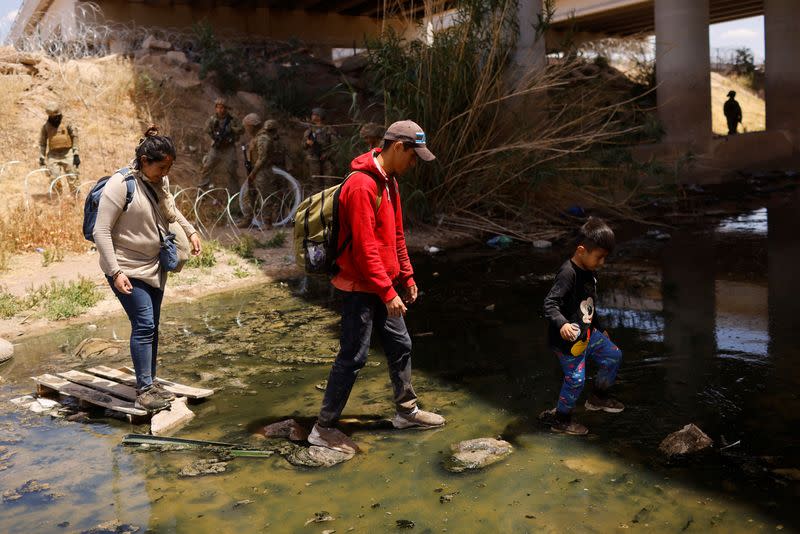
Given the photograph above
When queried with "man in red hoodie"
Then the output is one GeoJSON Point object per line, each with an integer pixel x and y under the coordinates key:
{"type": "Point", "coordinates": [373, 267]}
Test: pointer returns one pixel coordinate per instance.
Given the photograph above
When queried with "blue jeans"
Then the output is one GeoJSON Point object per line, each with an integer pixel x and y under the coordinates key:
{"type": "Point", "coordinates": [603, 352]}
{"type": "Point", "coordinates": [360, 312]}
{"type": "Point", "coordinates": [143, 307]}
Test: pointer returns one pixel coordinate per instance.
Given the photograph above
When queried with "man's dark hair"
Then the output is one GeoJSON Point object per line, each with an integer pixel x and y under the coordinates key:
{"type": "Point", "coordinates": [387, 144]}
{"type": "Point", "coordinates": [154, 147]}
{"type": "Point", "coordinates": [595, 233]}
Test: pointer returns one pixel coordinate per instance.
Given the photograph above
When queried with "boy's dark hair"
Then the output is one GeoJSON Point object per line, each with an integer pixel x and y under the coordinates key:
{"type": "Point", "coordinates": [154, 147]}
{"type": "Point", "coordinates": [595, 233]}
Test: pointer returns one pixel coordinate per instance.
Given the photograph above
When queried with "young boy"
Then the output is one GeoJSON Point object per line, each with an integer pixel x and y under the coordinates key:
{"type": "Point", "coordinates": [574, 333]}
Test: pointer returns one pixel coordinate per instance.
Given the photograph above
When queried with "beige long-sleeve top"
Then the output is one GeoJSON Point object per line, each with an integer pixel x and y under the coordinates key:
{"type": "Point", "coordinates": [129, 240]}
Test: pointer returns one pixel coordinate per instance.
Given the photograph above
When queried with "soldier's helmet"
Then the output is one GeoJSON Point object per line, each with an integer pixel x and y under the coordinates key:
{"type": "Point", "coordinates": [271, 125]}
{"type": "Point", "coordinates": [372, 130]}
{"type": "Point", "coordinates": [252, 119]}
{"type": "Point", "coordinates": [318, 111]}
{"type": "Point", "coordinates": [221, 101]}
{"type": "Point", "coordinates": [52, 109]}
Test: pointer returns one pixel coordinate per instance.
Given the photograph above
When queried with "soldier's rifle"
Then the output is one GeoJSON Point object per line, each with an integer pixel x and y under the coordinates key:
{"type": "Point", "coordinates": [316, 147]}
{"type": "Point", "coordinates": [222, 134]}
{"type": "Point", "coordinates": [248, 165]}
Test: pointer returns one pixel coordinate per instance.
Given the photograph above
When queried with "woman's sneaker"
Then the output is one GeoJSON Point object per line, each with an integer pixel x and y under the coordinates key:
{"type": "Point", "coordinates": [562, 424]}
{"type": "Point", "coordinates": [605, 404]}
{"type": "Point", "coordinates": [162, 392]}
{"type": "Point", "coordinates": [150, 401]}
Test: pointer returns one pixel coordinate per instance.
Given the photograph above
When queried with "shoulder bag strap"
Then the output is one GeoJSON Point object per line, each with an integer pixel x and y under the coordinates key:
{"type": "Point", "coordinates": [153, 198]}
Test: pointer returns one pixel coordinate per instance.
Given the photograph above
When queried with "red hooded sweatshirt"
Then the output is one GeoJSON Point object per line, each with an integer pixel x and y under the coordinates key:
{"type": "Point", "coordinates": [376, 260]}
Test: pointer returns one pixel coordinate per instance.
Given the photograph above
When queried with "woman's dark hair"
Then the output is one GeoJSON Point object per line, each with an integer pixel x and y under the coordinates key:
{"type": "Point", "coordinates": [154, 147]}
{"type": "Point", "coordinates": [595, 233]}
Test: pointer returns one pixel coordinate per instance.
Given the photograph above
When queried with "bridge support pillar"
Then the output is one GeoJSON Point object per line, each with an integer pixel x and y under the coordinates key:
{"type": "Point", "coordinates": [683, 71]}
{"type": "Point", "coordinates": [530, 53]}
{"type": "Point", "coordinates": [782, 40]}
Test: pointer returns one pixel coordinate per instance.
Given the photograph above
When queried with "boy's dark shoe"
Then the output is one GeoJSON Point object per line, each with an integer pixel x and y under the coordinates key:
{"type": "Point", "coordinates": [162, 392]}
{"type": "Point", "coordinates": [150, 400]}
{"type": "Point", "coordinates": [332, 438]}
{"type": "Point", "coordinates": [608, 404]}
{"type": "Point", "coordinates": [562, 423]}
{"type": "Point", "coordinates": [419, 419]}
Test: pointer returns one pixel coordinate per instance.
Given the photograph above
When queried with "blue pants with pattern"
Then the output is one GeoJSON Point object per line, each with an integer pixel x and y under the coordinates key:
{"type": "Point", "coordinates": [603, 352]}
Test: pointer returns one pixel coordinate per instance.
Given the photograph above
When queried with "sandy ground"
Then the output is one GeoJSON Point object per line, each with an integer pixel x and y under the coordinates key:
{"type": "Point", "coordinates": [231, 272]}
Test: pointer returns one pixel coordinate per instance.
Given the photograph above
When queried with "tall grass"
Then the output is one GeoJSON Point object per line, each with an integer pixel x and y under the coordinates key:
{"type": "Point", "coordinates": [52, 226]}
{"type": "Point", "coordinates": [498, 132]}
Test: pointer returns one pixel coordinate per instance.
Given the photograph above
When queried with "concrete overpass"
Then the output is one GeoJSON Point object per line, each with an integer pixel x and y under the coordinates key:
{"type": "Point", "coordinates": [622, 18]}
{"type": "Point", "coordinates": [324, 23]}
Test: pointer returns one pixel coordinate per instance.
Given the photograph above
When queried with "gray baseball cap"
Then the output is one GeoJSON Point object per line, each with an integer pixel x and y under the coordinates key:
{"type": "Point", "coordinates": [410, 132]}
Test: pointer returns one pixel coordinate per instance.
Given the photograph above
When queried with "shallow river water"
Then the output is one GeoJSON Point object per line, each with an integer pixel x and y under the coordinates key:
{"type": "Point", "coordinates": [705, 320]}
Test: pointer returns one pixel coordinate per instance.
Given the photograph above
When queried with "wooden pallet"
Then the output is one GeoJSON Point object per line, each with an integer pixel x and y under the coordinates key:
{"type": "Point", "coordinates": [115, 390]}
{"type": "Point", "coordinates": [49, 383]}
{"type": "Point", "coordinates": [125, 375]}
{"type": "Point", "coordinates": [122, 391]}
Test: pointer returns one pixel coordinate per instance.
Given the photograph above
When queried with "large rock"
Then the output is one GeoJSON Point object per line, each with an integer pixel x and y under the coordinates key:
{"type": "Point", "coordinates": [151, 43]}
{"type": "Point", "coordinates": [477, 454]}
{"type": "Point", "coordinates": [354, 63]}
{"type": "Point", "coordinates": [203, 467]}
{"type": "Point", "coordinates": [315, 456]}
{"type": "Point", "coordinates": [6, 350]}
{"type": "Point", "coordinates": [176, 57]}
{"type": "Point", "coordinates": [688, 440]}
{"type": "Point", "coordinates": [113, 527]}
{"type": "Point", "coordinates": [31, 486]}
{"type": "Point", "coordinates": [167, 421]}
{"type": "Point", "coordinates": [38, 405]}
{"type": "Point", "coordinates": [93, 347]}
{"type": "Point", "coordinates": [289, 429]}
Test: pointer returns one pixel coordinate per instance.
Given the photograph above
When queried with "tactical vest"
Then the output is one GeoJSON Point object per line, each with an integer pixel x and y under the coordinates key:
{"type": "Point", "coordinates": [323, 136]}
{"type": "Point", "coordinates": [276, 153]}
{"type": "Point", "coordinates": [274, 148]}
{"type": "Point", "coordinates": [59, 138]}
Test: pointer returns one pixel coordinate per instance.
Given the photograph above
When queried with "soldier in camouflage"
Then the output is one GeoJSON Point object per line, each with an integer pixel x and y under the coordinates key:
{"type": "Point", "coordinates": [265, 150]}
{"type": "Point", "coordinates": [58, 148]}
{"type": "Point", "coordinates": [224, 130]}
{"type": "Point", "coordinates": [372, 134]}
{"type": "Point", "coordinates": [318, 143]}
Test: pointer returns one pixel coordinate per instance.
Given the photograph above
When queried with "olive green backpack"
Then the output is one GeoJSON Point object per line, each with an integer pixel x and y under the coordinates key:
{"type": "Point", "coordinates": [316, 229]}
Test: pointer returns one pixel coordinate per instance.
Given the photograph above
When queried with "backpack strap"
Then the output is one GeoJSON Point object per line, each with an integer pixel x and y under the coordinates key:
{"type": "Point", "coordinates": [130, 185]}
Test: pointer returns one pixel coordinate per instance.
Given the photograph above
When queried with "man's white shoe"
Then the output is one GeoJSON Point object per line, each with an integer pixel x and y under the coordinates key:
{"type": "Point", "coordinates": [418, 419]}
{"type": "Point", "coordinates": [332, 438]}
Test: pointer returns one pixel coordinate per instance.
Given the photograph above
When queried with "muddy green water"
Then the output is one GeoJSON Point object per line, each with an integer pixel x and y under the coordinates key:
{"type": "Point", "coordinates": [705, 319]}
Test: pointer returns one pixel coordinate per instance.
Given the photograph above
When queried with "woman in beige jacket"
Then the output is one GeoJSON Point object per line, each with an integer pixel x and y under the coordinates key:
{"type": "Point", "coordinates": [128, 241]}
